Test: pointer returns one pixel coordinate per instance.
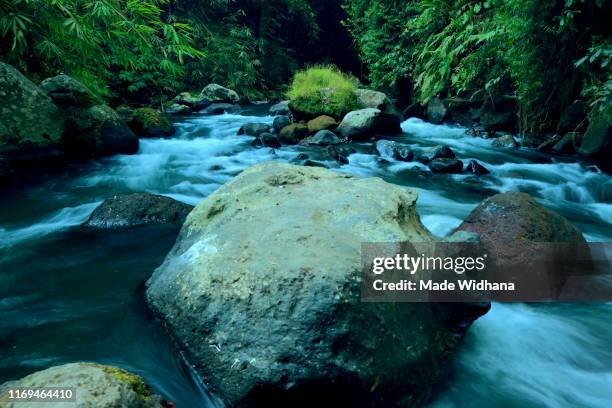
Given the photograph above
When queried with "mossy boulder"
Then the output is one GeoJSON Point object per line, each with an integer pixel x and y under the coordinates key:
{"type": "Point", "coordinates": [268, 307]}
{"type": "Point", "coordinates": [66, 91]}
{"type": "Point", "coordinates": [28, 117]}
{"type": "Point", "coordinates": [147, 122]}
{"type": "Point", "coordinates": [194, 101]}
{"type": "Point", "coordinates": [322, 122]}
{"type": "Point", "coordinates": [93, 385]}
{"type": "Point", "coordinates": [597, 140]}
{"type": "Point", "coordinates": [293, 133]}
{"type": "Point", "coordinates": [216, 93]}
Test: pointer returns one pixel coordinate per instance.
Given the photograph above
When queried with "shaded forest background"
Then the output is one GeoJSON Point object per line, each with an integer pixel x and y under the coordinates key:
{"type": "Point", "coordinates": [543, 55]}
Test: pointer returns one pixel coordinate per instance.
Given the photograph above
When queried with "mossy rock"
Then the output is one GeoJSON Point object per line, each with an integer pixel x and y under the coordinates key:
{"type": "Point", "coordinates": [66, 91]}
{"type": "Point", "coordinates": [323, 122]}
{"type": "Point", "coordinates": [147, 122]}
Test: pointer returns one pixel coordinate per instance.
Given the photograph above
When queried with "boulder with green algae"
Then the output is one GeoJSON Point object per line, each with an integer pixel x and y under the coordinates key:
{"type": "Point", "coordinates": [94, 386]}
{"type": "Point", "coordinates": [322, 122]}
{"type": "Point", "coordinates": [67, 91]}
{"type": "Point", "coordinates": [28, 117]}
{"type": "Point", "coordinates": [262, 291]}
{"type": "Point", "coordinates": [147, 122]}
{"type": "Point", "coordinates": [216, 93]}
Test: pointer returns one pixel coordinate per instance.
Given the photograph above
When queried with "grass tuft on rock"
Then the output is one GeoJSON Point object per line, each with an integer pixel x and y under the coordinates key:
{"type": "Point", "coordinates": [135, 382]}
{"type": "Point", "coordinates": [322, 90]}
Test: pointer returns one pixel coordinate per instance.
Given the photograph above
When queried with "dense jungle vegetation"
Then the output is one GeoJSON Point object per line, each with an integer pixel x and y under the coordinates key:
{"type": "Point", "coordinates": [544, 54]}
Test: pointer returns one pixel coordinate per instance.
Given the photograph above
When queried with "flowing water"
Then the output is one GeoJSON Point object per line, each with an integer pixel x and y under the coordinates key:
{"type": "Point", "coordinates": [72, 295]}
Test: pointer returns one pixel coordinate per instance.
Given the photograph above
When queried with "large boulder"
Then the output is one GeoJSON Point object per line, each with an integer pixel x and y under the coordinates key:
{"type": "Point", "coordinates": [266, 140]}
{"type": "Point", "coordinates": [254, 129]}
{"type": "Point", "coordinates": [281, 108]}
{"type": "Point", "coordinates": [391, 116]}
{"type": "Point", "coordinates": [193, 101]}
{"type": "Point", "coordinates": [216, 93]}
{"type": "Point", "coordinates": [364, 123]}
{"type": "Point", "coordinates": [220, 108]}
{"type": "Point", "coordinates": [446, 166]}
{"type": "Point", "coordinates": [67, 91]}
{"type": "Point", "coordinates": [97, 132]}
{"type": "Point", "coordinates": [147, 122]}
{"type": "Point", "coordinates": [322, 122]}
{"type": "Point", "coordinates": [133, 210]}
{"type": "Point", "coordinates": [436, 152]}
{"type": "Point", "coordinates": [28, 117]}
{"type": "Point", "coordinates": [437, 111]}
{"type": "Point", "coordinates": [93, 385]}
{"type": "Point", "coordinates": [280, 121]}
{"type": "Point", "coordinates": [262, 291]}
{"type": "Point", "coordinates": [597, 140]}
{"type": "Point", "coordinates": [322, 138]}
{"type": "Point", "coordinates": [292, 134]}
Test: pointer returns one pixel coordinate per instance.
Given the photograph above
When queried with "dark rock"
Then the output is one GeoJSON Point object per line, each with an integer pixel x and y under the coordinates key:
{"type": "Point", "coordinates": [254, 129]}
{"type": "Point", "coordinates": [216, 93]}
{"type": "Point", "coordinates": [436, 152]}
{"type": "Point", "coordinates": [133, 210]}
{"type": "Point", "coordinates": [322, 122]}
{"type": "Point", "coordinates": [194, 102]}
{"type": "Point", "coordinates": [505, 141]}
{"type": "Point", "coordinates": [340, 154]}
{"type": "Point", "coordinates": [416, 110]}
{"type": "Point", "coordinates": [312, 163]}
{"type": "Point", "coordinates": [446, 166]}
{"type": "Point", "coordinates": [97, 385]}
{"type": "Point", "coordinates": [365, 123]}
{"type": "Point", "coordinates": [322, 138]}
{"type": "Point", "coordinates": [280, 122]}
{"type": "Point", "coordinates": [476, 168]}
{"type": "Point", "coordinates": [66, 91]}
{"type": "Point", "coordinates": [266, 140]}
{"type": "Point", "coordinates": [177, 109]}
{"type": "Point", "coordinates": [220, 108]}
{"type": "Point", "coordinates": [269, 308]}
{"type": "Point", "coordinates": [597, 140]}
{"type": "Point", "coordinates": [548, 144]}
{"type": "Point", "coordinates": [479, 131]}
{"type": "Point", "coordinates": [397, 151]}
{"type": "Point", "coordinates": [567, 144]}
{"type": "Point", "coordinates": [437, 111]}
{"type": "Point", "coordinates": [147, 122]}
{"type": "Point", "coordinates": [300, 157]}
{"type": "Point", "coordinates": [281, 108]}
{"type": "Point", "coordinates": [498, 121]}
{"type": "Point", "coordinates": [292, 134]}
{"type": "Point", "coordinates": [572, 117]}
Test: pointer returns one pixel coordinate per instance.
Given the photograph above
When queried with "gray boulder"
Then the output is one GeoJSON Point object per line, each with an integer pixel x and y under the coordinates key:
{"type": "Point", "coordinates": [391, 116]}
{"type": "Point", "coordinates": [177, 109]}
{"type": "Point", "coordinates": [436, 152]}
{"type": "Point", "coordinates": [67, 91]}
{"type": "Point", "coordinates": [446, 166]}
{"type": "Point", "coordinates": [281, 108]}
{"type": "Point", "coordinates": [193, 101]}
{"type": "Point", "coordinates": [268, 307]}
{"type": "Point", "coordinates": [254, 129]}
{"type": "Point", "coordinates": [220, 108]}
{"type": "Point", "coordinates": [216, 93]}
{"type": "Point", "coordinates": [280, 122]}
{"type": "Point", "coordinates": [437, 111]}
{"type": "Point", "coordinates": [394, 150]}
{"type": "Point", "coordinates": [364, 123]}
{"type": "Point", "coordinates": [322, 138]}
{"type": "Point", "coordinates": [93, 385]}
{"type": "Point", "coordinates": [133, 210]}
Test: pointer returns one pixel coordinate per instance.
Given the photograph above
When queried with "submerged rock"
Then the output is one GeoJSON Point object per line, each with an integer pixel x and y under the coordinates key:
{"type": "Point", "coordinates": [268, 306]}
{"type": "Point", "coordinates": [149, 122]}
{"type": "Point", "coordinates": [446, 166]}
{"type": "Point", "coordinates": [281, 108]}
{"type": "Point", "coordinates": [322, 138]}
{"type": "Point", "coordinates": [280, 122]}
{"type": "Point", "coordinates": [67, 91]}
{"type": "Point", "coordinates": [436, 152]}
{"type": "Point", "coordinates": [216, 93]}
{"type": "Point", "coordinates": [292, 134]}
{"type": "Point", "coordinates": [93, 385]}
{"type": "Point", "coordinates": [254, 129]}
{"type": "Point", "coordinates": [133, 210]}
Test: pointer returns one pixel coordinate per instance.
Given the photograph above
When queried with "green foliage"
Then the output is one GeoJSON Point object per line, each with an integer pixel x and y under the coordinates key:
{"type": "Point", "coordinates": [536, 51]}
{"type": "Point", "coordinates": [133, 42]}
{"type": "Point", "coordinates": [323, 90]}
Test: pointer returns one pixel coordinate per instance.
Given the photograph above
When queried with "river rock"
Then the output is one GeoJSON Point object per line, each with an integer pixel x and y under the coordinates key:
{"type": "Point", "coordinates": [97, 132]}
{"type": "Point", "coordinates": [505, 141]}
{"type": "Point", "coordinates": [446, 166]}
{"type": "Point", "coordinates": [67, 91]}
{"type": "Point", "coordinates": [94, 385]}
{"type": "Point", "coordinates": [364, 123]}
{"type": "Point", "coordinates": [193, 101]}
{"type": "Point", "coordinates": [548, 144]}
{"type": "Point", "coordinates": [436, 152]}
{"type": "Point", "coordinates": [147, 122]}
{"type": "Point", "coordinates": [476, 168]}
{"type": "Point", "coordinates": [177, 109]}
{"type": "Point", "coordinates": [216, 93]}
{"type": "Point", "coordinates": [133, 210]}
{"type": "Point", "coordinates": [322, 122]}
{"type": "Point", "coordinates": [220, 108]}
{"type": "Point", "coordinates": [254, 129]}
{"type": "Point", "coordinates": [597, 140]}
{"type": "Point", "coordinates": [292, 134]}
{"type": "Point", "coordinates": [28, 117]}
{"type": "Point", "coordinates": [280, 122]}
{"type": "Point", "coordinates": [281, 108]}
{"type": "Point", "coordinates": [322, 138]}
{"type": "Point", "coordinates": [437, 111]}
{"type": "Point", "coordinates": [266, 140]}
{"type": "Point", "coordinates": [397, 151]}
{"type": "Point", "coordinates": [391, 116]}
{"type": "Point", "coordinates": [567, 144]}
{"type": "Point", "coordinates": [340, 154]}
{"type": "Point", "coordinates": [262, 291]}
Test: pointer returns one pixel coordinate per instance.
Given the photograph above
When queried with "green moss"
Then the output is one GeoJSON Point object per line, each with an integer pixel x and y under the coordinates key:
{"type": "Point", "coordinates": [135, 382]}
{"type": "Point", "coordinates": [323, 90]}
{"type": "Point", "coordinates": [150, 118]}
